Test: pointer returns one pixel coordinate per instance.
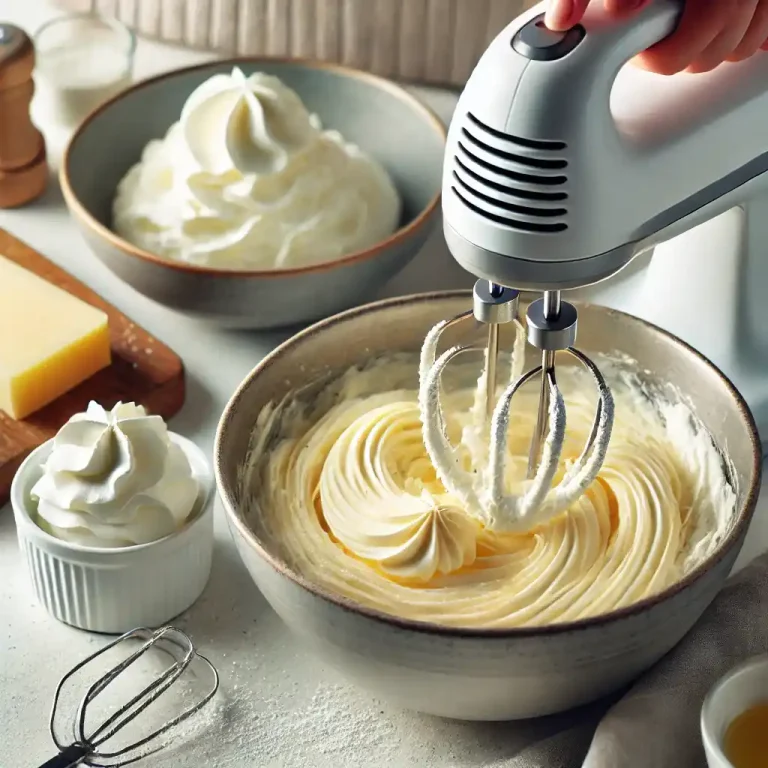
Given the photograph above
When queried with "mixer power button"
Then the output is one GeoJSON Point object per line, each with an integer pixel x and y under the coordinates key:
{"type": "Point", "coordinates": [535, 41]}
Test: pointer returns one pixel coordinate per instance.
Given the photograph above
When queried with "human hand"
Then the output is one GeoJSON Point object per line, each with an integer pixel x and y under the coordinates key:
{"type": "Point", "coordinates": [709, 33]}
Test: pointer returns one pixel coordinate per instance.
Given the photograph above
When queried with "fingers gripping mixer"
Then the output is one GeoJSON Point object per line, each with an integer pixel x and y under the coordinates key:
{"type": "Point", "coordinates": [561, 166]}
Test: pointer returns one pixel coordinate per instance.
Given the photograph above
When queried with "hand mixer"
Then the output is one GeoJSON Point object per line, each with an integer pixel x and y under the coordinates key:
{"type": "Point", "coordinates": [561, 166]}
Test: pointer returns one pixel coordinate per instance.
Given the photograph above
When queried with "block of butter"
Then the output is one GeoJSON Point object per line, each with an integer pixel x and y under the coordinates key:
{"type": "Point", "coordinates": [50, 341]}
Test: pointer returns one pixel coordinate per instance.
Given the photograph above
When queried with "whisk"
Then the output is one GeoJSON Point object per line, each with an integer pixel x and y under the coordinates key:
{"type": "Point", "coordinates": [551, 327]}
{"type": "Point", "coordinates": [89, 746]}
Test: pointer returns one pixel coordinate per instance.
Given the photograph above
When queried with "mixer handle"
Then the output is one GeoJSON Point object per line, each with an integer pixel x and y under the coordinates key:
{"type": "Point", "coordinates": [594, 51]}
{"type": "Point", "coordinates": [612, 42]}
{"type": "Point", "coordinates": [527, 68]}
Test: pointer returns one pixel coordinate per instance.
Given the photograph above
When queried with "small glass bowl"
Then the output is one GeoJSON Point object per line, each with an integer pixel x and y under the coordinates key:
{"type": "Point", "coordinates": [739, 689]}
{"type": "Point", "coordinates": [82, 60]}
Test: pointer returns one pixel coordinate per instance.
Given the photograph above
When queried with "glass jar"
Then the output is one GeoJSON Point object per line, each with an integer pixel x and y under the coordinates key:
{"type": "Point", "coordinates": [81, 61]}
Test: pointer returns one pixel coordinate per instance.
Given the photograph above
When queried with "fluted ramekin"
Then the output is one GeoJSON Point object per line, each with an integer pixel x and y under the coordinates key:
{"type": "Point", "coordinates": [113, 590]}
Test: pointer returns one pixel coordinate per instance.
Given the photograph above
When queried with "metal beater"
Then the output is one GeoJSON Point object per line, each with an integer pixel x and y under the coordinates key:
{"type": "Point", "coordinates": [551, 326]}
{"type": "Point", "coordinates": [89, 745]}
{"type": "Point", "coordinates": [561, 166]}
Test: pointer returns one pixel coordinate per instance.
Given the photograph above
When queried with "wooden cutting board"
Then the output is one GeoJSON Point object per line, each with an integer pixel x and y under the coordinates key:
{"type": "Point", "coordinates": [143, 371]}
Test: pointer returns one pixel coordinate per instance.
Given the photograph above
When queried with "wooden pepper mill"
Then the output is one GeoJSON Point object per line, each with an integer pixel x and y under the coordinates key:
{"type": "Point", "coordinates": [23, 165]}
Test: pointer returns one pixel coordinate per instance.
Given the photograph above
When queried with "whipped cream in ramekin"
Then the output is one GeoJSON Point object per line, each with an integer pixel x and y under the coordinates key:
{"type": "Point", "coordinates": [248, 179]}
{"type": "Point", "coordinates": [114, 479]}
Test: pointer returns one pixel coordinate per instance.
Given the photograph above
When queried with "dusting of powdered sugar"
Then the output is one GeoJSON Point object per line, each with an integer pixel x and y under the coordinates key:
{"type": "Point", "coordinates": [240, 728]}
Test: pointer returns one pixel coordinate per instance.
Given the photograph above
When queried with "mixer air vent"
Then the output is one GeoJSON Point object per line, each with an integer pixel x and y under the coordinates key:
{"type": "Point", "coordinates": [512, 181]}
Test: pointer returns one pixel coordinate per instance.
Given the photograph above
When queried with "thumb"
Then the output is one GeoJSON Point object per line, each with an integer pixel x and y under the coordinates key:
{"type": "Point", "coordinates": [621, 7]}
{"type": "Point", "coordinates": [563, 14]}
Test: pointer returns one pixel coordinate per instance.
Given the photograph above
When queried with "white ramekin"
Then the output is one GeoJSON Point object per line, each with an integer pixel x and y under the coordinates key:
{"type": "Point", "coordinates": [115, 590]}
{"type": "Point", "coordinates": [744, 686]}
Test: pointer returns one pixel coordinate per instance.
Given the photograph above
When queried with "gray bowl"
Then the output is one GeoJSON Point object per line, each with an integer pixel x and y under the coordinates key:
{"type": "Point", "coordinates": [481, 674]}
{"type": "Point", "coordinates": [379, 116]}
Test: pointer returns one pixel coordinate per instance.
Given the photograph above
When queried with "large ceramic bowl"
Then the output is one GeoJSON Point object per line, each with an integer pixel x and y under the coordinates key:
{"type": "Point", "coordinates": [482, 674]}
{"type": "Point", "coordinates": [379, 116]}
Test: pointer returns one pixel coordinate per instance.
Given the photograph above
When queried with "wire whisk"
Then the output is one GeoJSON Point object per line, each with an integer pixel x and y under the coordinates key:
{"type": "Point", "coordinates": [89, 745]}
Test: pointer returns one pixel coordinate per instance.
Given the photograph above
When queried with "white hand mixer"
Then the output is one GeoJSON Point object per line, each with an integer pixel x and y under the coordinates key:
{"type": "Point", "coordinates": [561, 166]}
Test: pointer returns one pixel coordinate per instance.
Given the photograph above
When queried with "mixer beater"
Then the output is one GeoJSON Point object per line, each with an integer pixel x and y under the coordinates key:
{"type": "Point", "coordinates": [91, 737]}
{"type": "Point", "coordinates": [551, 328]}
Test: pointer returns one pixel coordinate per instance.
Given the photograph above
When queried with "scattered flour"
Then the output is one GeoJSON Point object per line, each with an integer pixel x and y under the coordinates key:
{"type": "Point", "coordinates": [240, 728]}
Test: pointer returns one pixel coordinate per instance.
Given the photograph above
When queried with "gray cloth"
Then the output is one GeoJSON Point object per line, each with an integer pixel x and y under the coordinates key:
{"type": "Point", "coordinates": [656, 723]}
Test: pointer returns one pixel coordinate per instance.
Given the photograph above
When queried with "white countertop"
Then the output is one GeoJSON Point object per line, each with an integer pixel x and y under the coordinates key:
{"type": "Point", "coordinates": [284, 709]}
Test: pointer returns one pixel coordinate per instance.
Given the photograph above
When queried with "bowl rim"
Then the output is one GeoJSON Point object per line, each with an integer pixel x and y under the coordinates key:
{"type": "Point", "coordinates": [78, 210]}
{"type": "Point", "coordinates": [202, 509]}
{"type": "Point", "coordinates": [711, 741]}
{"type": "Point", "coordinates": [733, 535]}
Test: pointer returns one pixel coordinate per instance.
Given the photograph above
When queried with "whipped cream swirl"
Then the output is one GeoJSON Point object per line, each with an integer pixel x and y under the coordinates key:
{"type": "Point", "coordinates": [347, 494]}
{"type": "Point", "coordinates": [248, 179]}
{"type": "Point", "coordinates": [423, 532]}
{"type": "Point", "coordinates": [113, 479]}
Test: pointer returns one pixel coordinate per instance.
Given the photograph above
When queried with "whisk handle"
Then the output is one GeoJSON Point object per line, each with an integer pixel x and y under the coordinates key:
{"type": "Point", "coordinates": [69, 757]}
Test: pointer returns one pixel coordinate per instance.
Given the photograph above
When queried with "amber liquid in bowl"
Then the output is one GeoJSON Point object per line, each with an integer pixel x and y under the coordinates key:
{"type": "Point", "coordinates": [746, 739]}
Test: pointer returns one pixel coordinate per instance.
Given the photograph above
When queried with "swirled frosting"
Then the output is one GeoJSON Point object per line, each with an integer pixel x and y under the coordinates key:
{"type": "Point", "coordinates": [114, 478]}
{"type": "Point", "coordinates": [344, 490]}
{"type": "Point", "coordinates": [248, 179]}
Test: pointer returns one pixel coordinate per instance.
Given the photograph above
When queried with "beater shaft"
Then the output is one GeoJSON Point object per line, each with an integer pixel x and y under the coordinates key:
{"type": "Point", "coordinates": [551, 313]}
{"type": "Point", "coordinates": [493, 304]}
{"type": "Point", "coordinates": [492, 355]}
{"type": "Point", "coordinates": [491, 358]}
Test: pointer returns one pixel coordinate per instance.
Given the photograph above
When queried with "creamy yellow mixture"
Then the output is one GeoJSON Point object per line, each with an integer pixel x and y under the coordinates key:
{"type": "Point", "coordinates": [345, 491]}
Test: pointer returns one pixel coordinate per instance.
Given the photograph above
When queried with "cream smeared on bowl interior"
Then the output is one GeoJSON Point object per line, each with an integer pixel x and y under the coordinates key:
{"type": "Point", "coordinates": [114, 479]}
{"type": "Point", "coordinates": [248, 179]}
{"type": "Point", "coordinates": [344, 490]}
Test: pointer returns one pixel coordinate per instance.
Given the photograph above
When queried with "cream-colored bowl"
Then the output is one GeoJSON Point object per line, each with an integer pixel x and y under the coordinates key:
{"type": "Point", "coordinates": [481, 674]}
{"type": "Point", "coordinates": [113, 590]}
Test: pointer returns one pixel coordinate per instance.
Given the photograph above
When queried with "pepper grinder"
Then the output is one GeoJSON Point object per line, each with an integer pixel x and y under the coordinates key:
{"type": "Point", "coordinates": [23, 165]}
